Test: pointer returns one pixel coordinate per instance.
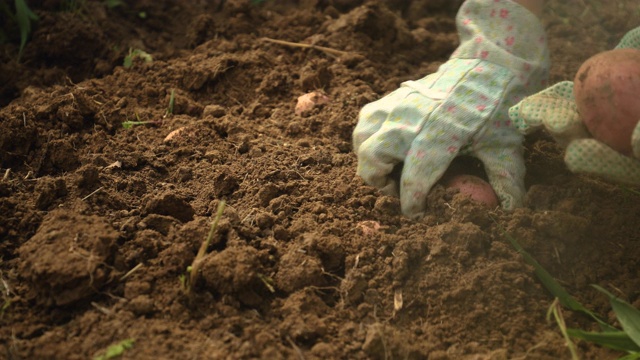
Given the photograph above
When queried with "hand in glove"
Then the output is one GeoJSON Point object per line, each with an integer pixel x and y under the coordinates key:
{"type": "Point", "coordinates": [460, 109]}
{"type": "Point", "coordinates": [555, 110]}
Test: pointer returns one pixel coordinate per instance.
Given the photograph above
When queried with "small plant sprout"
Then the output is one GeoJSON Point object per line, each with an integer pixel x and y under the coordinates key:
{"type": "Point", "coordinates": [113, 3]}
{"type": "Point", "coordinates": [193, 271]}
{"type": "Point", "coordinates": [6, 294]}
{"type": "Point", "coordinates": [131, 123]}
{"type": "Point", "coordinates": [172, 100]}
{"type": "Point", "coordinates": [183, 280]}
{"type": "Point", "coordinates": [136, 53]}
{"type": "Point", "coordinates": [116, 350]}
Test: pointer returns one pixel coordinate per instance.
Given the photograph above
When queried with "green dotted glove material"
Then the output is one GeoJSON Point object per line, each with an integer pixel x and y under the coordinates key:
{"type": "Point", "coordinates": [460, 109]}
{"type": "Point", "coordinates": [554, 109]}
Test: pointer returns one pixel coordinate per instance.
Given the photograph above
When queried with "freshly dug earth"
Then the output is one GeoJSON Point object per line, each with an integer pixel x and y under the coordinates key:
{"type": "Point", "coordinates": [99, 223]}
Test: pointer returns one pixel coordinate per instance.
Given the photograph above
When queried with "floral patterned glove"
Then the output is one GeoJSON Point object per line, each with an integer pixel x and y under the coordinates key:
{"type": "Point", "coordinates": [555, 110]}
{"type": "Point", "coordinates": [460, 109]}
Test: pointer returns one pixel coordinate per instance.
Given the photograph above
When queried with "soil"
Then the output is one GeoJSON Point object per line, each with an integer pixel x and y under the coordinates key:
{"type": "Point", "coordinates": [99, 223]}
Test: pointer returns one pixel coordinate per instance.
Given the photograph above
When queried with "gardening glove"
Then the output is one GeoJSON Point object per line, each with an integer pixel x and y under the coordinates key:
{"type": "Point", "coordinates": [462, 109]}
{"type": "Point", "coordinates": [555, 110]}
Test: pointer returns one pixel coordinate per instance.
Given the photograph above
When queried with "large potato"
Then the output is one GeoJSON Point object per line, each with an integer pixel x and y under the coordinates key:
{"type": "Point", "coordinates": [607, 93]}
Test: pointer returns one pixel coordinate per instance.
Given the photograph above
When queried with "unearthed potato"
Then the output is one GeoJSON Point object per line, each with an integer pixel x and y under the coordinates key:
{"type": "Point", "coordinates": [476, 188]}
{"type": "Point", "coordinates": [606, 89]}
{"type": "Point", "coordinates": [310, 100]}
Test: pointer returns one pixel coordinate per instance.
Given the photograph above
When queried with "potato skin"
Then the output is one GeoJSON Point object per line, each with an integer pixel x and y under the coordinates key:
{"type": "Point", "coordinates": [606, 90]}
{"type": "Point", "coordinates": [474, 187]}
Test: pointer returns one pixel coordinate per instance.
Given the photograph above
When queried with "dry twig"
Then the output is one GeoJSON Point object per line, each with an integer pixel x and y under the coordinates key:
{"type": "Point", "coordinates": [327, 50]}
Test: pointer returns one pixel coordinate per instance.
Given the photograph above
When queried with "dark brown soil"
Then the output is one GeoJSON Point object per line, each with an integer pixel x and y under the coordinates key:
{"type": "Point", "coordinates": [99, 223]}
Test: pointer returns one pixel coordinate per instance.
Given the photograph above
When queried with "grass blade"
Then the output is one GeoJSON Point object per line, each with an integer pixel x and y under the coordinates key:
{"type": "Point", "coordinates": [628, 315]}
{"type": "Point", "coordinates": [116, 350]}
{"type": "Point", "coordinates": [24, 16]}
{"type": "Point", "coordinates": [134, 53]}
{"type": "Point", "coordinates": [172, 101]}
{"type": "Point", "coordinates": [632, 356]}
{"type": "Point", "coordinates": [554, 287]}
{"type": "Point", "coordinates": [617, 340]}
{"type": "Point", "coordinates": [197, 262]}
{"type": "Point", "coordinates": [556, 311]}
{"type": "Point", "coordinates": [635, 192]}
{"type": "Point", "coordinates": [113, 3]}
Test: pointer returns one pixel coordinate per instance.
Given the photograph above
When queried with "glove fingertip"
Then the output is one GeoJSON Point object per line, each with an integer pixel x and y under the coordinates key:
{"type": "Point", "coordinates": [509, 201]}
{"type": "Point", "coordinates": [413, 203]}
{"type": "Point", "coordinates": [589, 156]}
{"type": "Point", "coordinates": [631, 40]}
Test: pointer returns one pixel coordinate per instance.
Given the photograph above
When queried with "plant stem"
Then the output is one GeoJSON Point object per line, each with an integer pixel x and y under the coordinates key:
{"type": "Point", "coordinates": [195, 266]}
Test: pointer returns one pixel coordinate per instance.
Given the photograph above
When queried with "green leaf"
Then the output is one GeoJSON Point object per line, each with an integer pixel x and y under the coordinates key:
{"type": "Point", "coordinates": [116, 350]}
{"type": "Point", "coordinates": [632, 356]}
{"type": "Point", "coordinates": [172, 101]}
{"type": "Point", "coordinates": [617, 340]}
{"type": "Point", "coordinates": [128, 60]}
{"type": "Point", "coordinates": [556, 311]}
{"type": "Point", "coordinates": [113, 3]}
{"type": "Point", "coordinates": [635, 192]}
{"type": "Point", "coordinates": [129, 124]}
{"type": "Point", "coordinates": [554, 287]}
{"type": "Point", "coordinates": [24, 16]}
{"type": "Point", "coordinates": [628, 316]}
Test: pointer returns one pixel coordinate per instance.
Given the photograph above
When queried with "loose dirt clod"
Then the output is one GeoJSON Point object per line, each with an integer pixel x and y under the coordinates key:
{"type": "Point", "coordinates": [68, 259]}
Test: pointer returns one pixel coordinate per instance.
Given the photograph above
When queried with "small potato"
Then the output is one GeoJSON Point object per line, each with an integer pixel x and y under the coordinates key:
{"type": "Point", "coordinates": [474, 187]}
{"type": "Point", "coordinates": [310, 100]}
{"type": "Point", "coordinates": [606, 90]}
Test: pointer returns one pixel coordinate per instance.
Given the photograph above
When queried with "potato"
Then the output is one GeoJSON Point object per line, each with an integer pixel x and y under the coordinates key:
{"type": "Point", "coordinates": [606, 90]}
{"type": "Point", "coordinates": [474, 187]}
{"type": "Point", "coordinates": [310, 100]}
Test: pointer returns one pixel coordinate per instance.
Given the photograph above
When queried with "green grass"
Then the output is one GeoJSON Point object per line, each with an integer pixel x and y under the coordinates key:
{"type": "Point", "coordinates": [172, 101]}
{"type": "Point", "coordinates": [136, 53]}
{"type": "Point", "coordinates": [111, 4]}
{"type": "Point", "coordinates": [128, 124]}
{"type": "Point", "coordinates": [5, 294]}
{"type": "Point", "coordinates": [626, 339]}
{"type": "Point", "coordinates": [22, 16]}
{"type": "Point", "coordinates": [116, 350]}
{"type": "Point", "coordinates": [555, 310]}
{"type": "Point", "coordinates": [188, 281]}
{"type": "Point", "coordinates": [131, 123]}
